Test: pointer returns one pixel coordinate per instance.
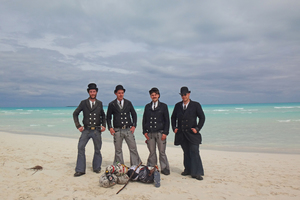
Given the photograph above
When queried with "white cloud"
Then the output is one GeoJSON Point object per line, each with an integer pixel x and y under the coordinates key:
{"type": "Point", "coordinates": [221, 48]}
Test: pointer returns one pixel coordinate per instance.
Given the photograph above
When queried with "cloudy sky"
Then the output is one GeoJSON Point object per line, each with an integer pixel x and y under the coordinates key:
{"type": "Point", "coordinates": [224, 51]}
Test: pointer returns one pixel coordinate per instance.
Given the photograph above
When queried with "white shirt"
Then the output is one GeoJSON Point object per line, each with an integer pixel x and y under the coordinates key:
{"type": "Point", "coordinates": [154, 105]}
{"type": "Point", "coordinates": [122, 102]}
{"type": "Point", "coordinates": [91, 103]}
{"type": "Point", "coordinates": [185, 105]}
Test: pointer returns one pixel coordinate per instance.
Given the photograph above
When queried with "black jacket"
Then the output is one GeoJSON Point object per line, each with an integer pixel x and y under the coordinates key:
{"type": "Point", "coordinates": [156, 120]}
{"type": "Point", "coordinates": [91, 117]}
{"type": "Point", "coordinates": [125, 116]}
{"type": "Point", "coordinates": [185, 120]}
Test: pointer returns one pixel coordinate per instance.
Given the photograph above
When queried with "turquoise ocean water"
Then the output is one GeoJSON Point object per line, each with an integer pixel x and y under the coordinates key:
{"type": "Point", "coordinates": [235, 127]}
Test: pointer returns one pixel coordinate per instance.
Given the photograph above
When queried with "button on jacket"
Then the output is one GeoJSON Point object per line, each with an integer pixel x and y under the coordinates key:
{"type": "Point", "coordinates": [184, 120]}
{"type": "Point", "coordinates": [157, 119]}
{"type": "Point", "coordinates": [121, 116]}
{"type": "Point", "coordinates": [92, 117]}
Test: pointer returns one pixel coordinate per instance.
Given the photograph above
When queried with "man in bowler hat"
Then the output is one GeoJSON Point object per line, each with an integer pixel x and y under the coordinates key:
{"type": "Point", "coordinates": [93, 124]}
{"type": "Point", "coordinates": [186, 129]}
{"type": "Point", "coordinates": [156, 124]}
{"type": "Point", "coordinates": [124, 124]}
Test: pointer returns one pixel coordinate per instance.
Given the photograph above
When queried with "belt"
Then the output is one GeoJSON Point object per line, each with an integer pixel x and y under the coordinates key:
{"type": "Point", "coordinates": [91, 127]}
{"type": "Point", "coordinates": [123, 127]}
{"type": "Point", "coordinates": [158, 131]}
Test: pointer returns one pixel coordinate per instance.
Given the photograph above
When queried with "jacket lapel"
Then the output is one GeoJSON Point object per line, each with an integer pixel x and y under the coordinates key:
{"type": "Point", "coordinates": [88, 105]}
{"type": "Point", "coordinates": [125, 104]}
{"type": "Point", "coordinates": [187, 109]}
{"type": "Point", "coordinates": [95, 106]}
{"type": "Point", "coordinates": [158, 106]}
{"type": "Point", "coordinates": [181, 109]}
{"type": "Point", "coordinates": [150, 107]}
{"type": "Point", "coordinates": [116, 104]}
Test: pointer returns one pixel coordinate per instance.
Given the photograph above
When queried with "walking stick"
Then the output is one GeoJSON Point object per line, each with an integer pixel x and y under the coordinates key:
{"type": "Point", "coordinates": [129, 179]}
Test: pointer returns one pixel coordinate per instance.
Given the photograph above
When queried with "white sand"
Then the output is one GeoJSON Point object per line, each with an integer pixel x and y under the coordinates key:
{"type": "Point", "coordinates": [228, 175]}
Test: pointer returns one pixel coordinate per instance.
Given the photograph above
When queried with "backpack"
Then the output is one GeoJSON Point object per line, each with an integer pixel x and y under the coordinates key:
{"type": "Point", "coordinates": [145, 175]}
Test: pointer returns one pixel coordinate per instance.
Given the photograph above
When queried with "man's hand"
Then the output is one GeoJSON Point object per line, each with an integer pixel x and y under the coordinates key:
{"type": "Point", "coordinates": [112, 131]}
{"type": "Point", "coordinates": [146, 136]}
{"type": "Point", "coordinates": [132, 129]}
{"type": "Point", "coordinates": [103, 128]}
{"type": "Point", "coordinates": [163, 137]}
{"type": "Point", "coordinates": [194, 130]}
{"type": "Point", "coordinates": [176, 129]}
{"type": "Point", "coordinates": [81, 128]}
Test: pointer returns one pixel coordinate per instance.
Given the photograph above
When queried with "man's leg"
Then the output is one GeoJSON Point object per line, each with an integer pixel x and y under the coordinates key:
{"type": "Point", "coordinates": [134, 155]}
{"type": "Point", "coordinates": [118, 140]}
{"type": "Point", "coordinates": [81, 161]}
{"type": "Point", "coordinates": [186, 157]}
{"type": "Point", "coordinates": [163, 160]}
{"type": "Point", "coordinates": [97, 160]}
{"type": "Point", "coordinates": [196, 163]}
{"type": "Point", "coordinates": [151, 144]}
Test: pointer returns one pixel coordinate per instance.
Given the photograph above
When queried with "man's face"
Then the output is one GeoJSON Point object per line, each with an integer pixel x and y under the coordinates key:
{"type": "Point", "coordinates": [154, 96]}
{"type": "Point", "coordinates": [120, 94]}
{"type": "Point", "coordinates": [185, 97]}
{"type": "Point", "coordinates": [92, 93]}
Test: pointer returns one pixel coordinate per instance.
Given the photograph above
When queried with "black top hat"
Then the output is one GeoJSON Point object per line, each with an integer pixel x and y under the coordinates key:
{"type": "Point", "coordinates": [92, 86]}
{"type": "Point", "coordinates": [184, 90]}
{"type": "Point", "coordinates": [119, 87]}
{"type": "Point", "coordinates": [154, 90]}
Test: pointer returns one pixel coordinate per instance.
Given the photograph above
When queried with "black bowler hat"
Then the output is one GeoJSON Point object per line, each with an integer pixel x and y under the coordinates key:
{"type": "Point", "coordinates": [92, 86]}
{"type": "Point", "coordinates": [154, 90]}
{"type": "Point", "coordinates": [119, 87]}
{"type": "Point", "coordinates": [184, 90]}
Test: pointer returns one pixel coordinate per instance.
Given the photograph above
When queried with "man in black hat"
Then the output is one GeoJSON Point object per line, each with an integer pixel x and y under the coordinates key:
{"type": "Point", "coordinates": [156, 125]}
{"type": "Point", "coordinates": [124, 124]}
{"type": "Point", "coordinates": [93, 124]}
{"type": "Point", "coordinates": [186, 129]}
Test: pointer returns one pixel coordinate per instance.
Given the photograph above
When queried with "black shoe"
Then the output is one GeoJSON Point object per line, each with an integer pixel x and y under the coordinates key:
{"type": "Point", "coordinates": [165, 171]}
{"type": "Point", "coordinates": [97, 171]}
{"type": "Point", "coordinates": [79, 174]}
{"type": "Point", "coordinates": [185, 173]}
{"type": "Point", "coordinates": [198, 177]}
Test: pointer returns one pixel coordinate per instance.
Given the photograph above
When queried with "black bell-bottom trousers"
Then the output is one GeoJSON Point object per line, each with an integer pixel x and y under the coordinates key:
{"type": "Point", "coordinates": [191, 158]}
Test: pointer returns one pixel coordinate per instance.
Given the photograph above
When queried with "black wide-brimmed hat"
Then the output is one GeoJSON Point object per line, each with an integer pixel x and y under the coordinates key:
{"type": "Point", "coordinates": [92, 86]}
{"type": "Point", "coordinates": [184, 90]}
{"type": "Point", "coordinates": [119, 87]}
{"type": "Point", "coordinates": [154, 90]}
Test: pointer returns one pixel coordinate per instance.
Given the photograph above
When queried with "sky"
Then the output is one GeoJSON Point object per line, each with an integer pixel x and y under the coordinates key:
{"type": "Point", "coordinates": [225, 52]}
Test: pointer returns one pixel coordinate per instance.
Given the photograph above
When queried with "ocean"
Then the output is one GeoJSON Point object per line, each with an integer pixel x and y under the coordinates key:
{"type": "Point", "coordinates": [272, 128]}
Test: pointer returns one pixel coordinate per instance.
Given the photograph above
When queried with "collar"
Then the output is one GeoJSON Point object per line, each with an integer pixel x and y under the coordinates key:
{"type": "Point", "coordinates": [186, 104]}
{"type": "Point", "coordinates": [154, 105]}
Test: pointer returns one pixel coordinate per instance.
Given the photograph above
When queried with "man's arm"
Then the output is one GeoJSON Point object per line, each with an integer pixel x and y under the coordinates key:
{"type": "Point", "coordinates": [108, 116]}
{"type": "Point", "coordinates": [75, 115]}
{"type": "Point", "coordinates": [103, 117]}
{"type": "Point", "coordinates": [108, 119]}
{"type": "Point", "coordinates": [167, 120]}
{"type": "Point", "coordinates": [201, 116]}
{"type": "Point", "coordinates": [174, 119]}
{"type": "Point", "coordinates": [144, 121]}
{"type": "Point", "coordinates": [133, 115]}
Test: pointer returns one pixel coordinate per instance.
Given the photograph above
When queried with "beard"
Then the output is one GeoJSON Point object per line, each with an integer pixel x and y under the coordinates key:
{"type": "Point", "coordinates": [93, 97]}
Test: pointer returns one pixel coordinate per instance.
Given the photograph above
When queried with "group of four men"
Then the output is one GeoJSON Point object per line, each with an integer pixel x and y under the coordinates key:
{"type": "Point", "coordinates": [187, 120]}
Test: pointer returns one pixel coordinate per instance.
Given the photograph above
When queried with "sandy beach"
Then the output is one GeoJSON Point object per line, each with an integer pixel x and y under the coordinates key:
{"type": "Point", "coordinates": [228, 175]}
